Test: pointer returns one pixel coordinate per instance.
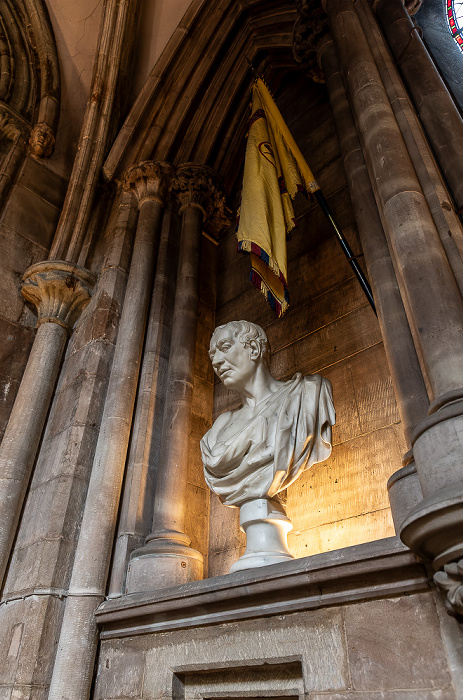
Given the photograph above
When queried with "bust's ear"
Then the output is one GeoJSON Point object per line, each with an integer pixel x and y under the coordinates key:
{"type": "Point", "coordinates": [254, 349]}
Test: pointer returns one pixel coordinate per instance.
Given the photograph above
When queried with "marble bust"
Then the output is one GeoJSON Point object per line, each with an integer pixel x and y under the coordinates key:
{"type": "Point", "coordinates": [253, 453]}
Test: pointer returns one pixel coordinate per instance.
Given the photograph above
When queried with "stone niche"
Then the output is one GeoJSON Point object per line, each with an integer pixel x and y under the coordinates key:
{"type": "Point", "coordinates": [329, 329]}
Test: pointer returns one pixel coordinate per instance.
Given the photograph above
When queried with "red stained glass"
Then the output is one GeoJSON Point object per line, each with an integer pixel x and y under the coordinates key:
{"type": "Point", "coordinates": [455, 20]}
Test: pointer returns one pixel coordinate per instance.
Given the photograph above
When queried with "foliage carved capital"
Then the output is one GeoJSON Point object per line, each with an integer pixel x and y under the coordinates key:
{"type": "Point", "coordinates": [310, 32]}
{"type": "Point", "coordinates": [199, 186]}
{"type": "Point", "coordinates": [59, 291]}
{"type": "Point", "coordinates": [149, 180]}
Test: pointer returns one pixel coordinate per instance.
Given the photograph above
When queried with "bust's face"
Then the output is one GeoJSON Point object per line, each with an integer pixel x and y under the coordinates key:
{"type": "Point", "coordinates": [231, 360]}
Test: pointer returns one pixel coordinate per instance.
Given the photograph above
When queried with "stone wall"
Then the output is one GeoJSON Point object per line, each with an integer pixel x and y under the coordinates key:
{"type": "Point", "coordinates": [389, 649]}
{"type": "Point", "coordinates": [27, 226]}
{"type": "Point", "coordinates": [328, 329]}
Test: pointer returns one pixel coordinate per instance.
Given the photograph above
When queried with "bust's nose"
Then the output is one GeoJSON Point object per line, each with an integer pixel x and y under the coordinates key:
{"type": "Point", "coordinates": [217, 360]}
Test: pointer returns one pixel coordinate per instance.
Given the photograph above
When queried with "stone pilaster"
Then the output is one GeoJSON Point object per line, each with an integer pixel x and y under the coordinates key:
{"type": "Point", "coordinates": [59, 291]}
{"type": "Point", "coordinates": [167, 559]}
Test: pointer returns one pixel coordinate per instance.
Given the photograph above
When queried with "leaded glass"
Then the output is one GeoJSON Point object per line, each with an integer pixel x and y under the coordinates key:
{"type": "Point", "coordinates": [455, 20]}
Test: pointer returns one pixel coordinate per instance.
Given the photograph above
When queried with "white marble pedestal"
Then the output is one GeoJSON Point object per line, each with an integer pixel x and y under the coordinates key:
{"type": "Point", "coordinates": [266, 526]}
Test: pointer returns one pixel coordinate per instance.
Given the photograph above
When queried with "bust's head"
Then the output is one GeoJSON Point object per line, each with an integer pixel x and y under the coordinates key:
{"type": "Point", "coordinates": [236, 350]}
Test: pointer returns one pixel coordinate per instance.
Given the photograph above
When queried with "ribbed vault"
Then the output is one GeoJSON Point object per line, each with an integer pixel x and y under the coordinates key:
{"type": "Point", "coordinates": [194, 105]}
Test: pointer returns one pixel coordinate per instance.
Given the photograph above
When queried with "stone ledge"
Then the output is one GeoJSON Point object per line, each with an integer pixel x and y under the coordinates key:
{"type": "Point", "coordinates": [378, 569]}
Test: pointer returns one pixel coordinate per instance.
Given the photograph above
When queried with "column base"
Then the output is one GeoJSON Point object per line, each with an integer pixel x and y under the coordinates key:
{"type": "Point", "coordinates": [162, 562]}
{"type": "Point", "coordinates": [266, 526]}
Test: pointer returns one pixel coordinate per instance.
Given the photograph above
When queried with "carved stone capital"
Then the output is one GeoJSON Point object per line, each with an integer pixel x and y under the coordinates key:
{"type": "Point", "coordinates": [200, 186]}
{"type": "Point", "coordinates": [310, 29]}
{"type": "Point", "coordinates": [59, 290]}
{"type": "Point", "coordinates": [149, 180]}
{"type": "Point", "coordinates": [450, 581]}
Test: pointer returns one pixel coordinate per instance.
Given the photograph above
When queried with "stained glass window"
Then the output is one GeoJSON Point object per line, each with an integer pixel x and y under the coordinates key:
{"type": "Point", "coordinates": [455, 20]}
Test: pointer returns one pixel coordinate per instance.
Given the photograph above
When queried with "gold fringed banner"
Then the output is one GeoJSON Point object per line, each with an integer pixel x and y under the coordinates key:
{"type": "Point", "coordinates": [274, 171]}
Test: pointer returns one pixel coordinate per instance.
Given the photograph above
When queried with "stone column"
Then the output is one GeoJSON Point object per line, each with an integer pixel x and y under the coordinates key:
{"type": "Point", "coordinates": [137, 502]}
{"type": "Point", "coordinates": [437, 110]}
{"type": "Point", "coordinates": [410, 390]}
{"type": "Point", "coordinates": [166, 559]}
{"type": "Point", "coordinates": [433, 303]}
{"type": "Point", "coordinates": [59, 291]}
{"type": "Point", "coordinates": [73, 669]}
{"type": "Point", "coordinates": [434, 528]}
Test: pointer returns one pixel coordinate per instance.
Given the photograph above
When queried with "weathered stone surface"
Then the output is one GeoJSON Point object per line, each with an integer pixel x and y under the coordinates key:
{"type": "Point", "coordinates": [352, 481]}
{"type": "Point", "coordinates": [389, 695]}
{"type": "Point", "coordinates": [400, 655]}
{"type": "Point", "coordinates": [38, 178]}
{"type": "Point", "coordinates": [220, 563]}
{"type": "Point", "coordinates": [43, 555]}
{"type": "Point", "coordinates": [357, 529]}
{"type": "Point", "coordinates": [199, 426]}
{"type": "Point", "coordinates": [15, 345]}
{"type": "Point", "coordinates": [316, 637]}
{"type": "Point", "coordinates": [18, 253]}
{"type": "Point", "coordinates": [336, 341]}
{"type": "Point", "coordinates": [31, 216]}
{"type": "Point", "coordinates": [26, 655]}
{"type": "Point", "coordinates": [197, 519]}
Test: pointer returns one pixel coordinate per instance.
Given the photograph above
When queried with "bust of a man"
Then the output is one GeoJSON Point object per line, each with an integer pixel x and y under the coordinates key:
{"type": "Point", "coordinates": [282, 428]}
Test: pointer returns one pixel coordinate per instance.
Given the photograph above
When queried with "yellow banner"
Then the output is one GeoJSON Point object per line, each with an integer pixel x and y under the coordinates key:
{"type": "Point", "coordinates": [274, 171]}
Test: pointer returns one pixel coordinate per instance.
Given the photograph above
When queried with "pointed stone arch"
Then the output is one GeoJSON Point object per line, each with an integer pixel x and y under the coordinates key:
{"type": "Point", "coordinates": [196, 110]}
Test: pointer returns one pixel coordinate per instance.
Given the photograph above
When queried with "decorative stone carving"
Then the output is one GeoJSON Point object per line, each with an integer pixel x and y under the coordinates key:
{"type": "Point", "coordinates": [310, 28]}
{"type": "Point", "coordinates": [59, 290]}
{"type": "Point", "coordinates": [9, 126]}
{"type": "Point", "coordinates": [149, 180]}
{"type": "Point", "coordinates": [253, 453]}
{"type": "Point", "coordinates": [42, 140]}
{"type": "Point", "coordinates": [199, 186]}
{"type": "Point", "coordinates": [450, 581]}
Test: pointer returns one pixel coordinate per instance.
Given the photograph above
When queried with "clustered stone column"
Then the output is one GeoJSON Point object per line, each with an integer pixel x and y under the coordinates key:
{"type": "Point", "coordinates": [59, 290]}
{"type": "Point", "coordinates": [311, 39]}
{"type": "Point", "coordinates": [437, 110]}
{"type": "Point", "coordinates": [433, 304]}
{"type": "Point", "coordinates": [73, 668]}
{"type": "Point", "coordinates": [167, 558]}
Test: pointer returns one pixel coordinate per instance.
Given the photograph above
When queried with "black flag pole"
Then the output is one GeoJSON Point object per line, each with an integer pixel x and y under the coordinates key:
{"type": "Point", "coordinates": [351, 258]}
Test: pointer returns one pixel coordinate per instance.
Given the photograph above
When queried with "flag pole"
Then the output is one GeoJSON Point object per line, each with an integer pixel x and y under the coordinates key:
{"type": "Point", "coordinates": [315, 189]}
{"type": "Point", "coordinates": [351, 258]}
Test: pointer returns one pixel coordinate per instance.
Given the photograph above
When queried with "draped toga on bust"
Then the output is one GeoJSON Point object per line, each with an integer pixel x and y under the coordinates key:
{"type": "Point", "coordinates": [258, 453]}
